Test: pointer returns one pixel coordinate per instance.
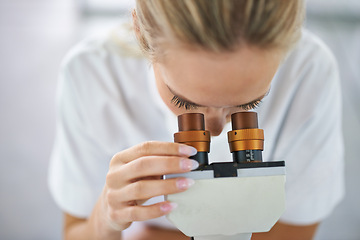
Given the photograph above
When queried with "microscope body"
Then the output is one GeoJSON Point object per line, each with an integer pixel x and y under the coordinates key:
{"type": "Point", "coordinates": [229, 200]}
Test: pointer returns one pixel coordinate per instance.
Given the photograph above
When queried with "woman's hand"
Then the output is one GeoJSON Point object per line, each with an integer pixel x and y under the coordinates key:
{"type": "Point", "coordinates": [135, 175]}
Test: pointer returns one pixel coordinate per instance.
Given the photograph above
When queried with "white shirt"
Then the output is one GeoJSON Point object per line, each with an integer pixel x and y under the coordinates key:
{"type": "Point", "coordinates": [107, 102]}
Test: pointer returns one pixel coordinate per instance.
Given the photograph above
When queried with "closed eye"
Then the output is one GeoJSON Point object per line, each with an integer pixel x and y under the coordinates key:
{"type": "Point", "coordinates": [180, 103]}
{"type": "Point", "coordinates": [250, 105]}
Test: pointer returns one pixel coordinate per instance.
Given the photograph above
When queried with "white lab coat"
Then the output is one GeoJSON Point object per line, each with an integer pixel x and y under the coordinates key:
{"type": "Point", "coordinates": [107, 102]}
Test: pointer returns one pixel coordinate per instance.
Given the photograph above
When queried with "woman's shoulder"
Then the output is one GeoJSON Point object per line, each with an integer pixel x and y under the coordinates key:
{"type": "Point", "coordinates": [117, 44]}
{"type": "Point", "coordinates": [312, 50]}
{"type": "Point", "coordinates": [310, 63]}
{"type": "Point", "coordinates": [89, 48]}
{"type": "Point", "coordinates": [105, 61]}
{"type": "Point", "coordinates": [97, 66]}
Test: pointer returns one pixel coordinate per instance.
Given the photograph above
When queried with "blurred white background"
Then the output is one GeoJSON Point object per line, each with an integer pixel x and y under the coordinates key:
{"type": "Point", "coordinates": [36, 34]}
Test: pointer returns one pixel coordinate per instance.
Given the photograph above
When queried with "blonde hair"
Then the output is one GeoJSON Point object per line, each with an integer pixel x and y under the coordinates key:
{"type": "Point", "coordinates": [217, 25]}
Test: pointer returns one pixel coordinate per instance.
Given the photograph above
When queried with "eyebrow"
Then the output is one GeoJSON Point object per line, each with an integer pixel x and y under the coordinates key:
{"type": "Point", "coordinates": [199, 105]}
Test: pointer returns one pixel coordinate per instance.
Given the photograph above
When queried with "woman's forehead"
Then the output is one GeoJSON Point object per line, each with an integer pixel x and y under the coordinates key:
{"type": "Point", "coordinates": [225, 79]}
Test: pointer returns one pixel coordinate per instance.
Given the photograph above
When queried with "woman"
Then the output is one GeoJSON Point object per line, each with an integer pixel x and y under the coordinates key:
{"type": "Point", "coordinates": [213, 57]}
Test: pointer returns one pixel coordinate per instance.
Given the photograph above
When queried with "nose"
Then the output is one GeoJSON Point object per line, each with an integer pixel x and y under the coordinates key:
{"type": "Point", "coordinates": [215, 120]}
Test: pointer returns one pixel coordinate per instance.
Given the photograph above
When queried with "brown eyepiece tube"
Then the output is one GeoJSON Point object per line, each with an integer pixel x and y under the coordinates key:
{"type": "Point", "coordinates": [246, 140]}
{"type": "Point", "coordinates": [191, 122]}
{"type": "Point", "coordinates": [192, 132]}
{"type": "Point", "coordinates": [244, 120]}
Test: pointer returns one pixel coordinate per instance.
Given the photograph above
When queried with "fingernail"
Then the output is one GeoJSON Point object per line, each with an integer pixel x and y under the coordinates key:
{"type": "Point", "coordinates": [167, 207]}
{"type": "Point", "coordinates": [187, 150]}
{"type": "Point", "coordinates": [184, 183]}
{"type": "Point", "coordinates": [188, 164]}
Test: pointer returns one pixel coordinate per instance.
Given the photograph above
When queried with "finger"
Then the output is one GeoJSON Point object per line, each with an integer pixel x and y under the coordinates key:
{"type": "Point", "coordinates": [156, 166]}
{"type": "Point", "coordinates": [146, 168]}
{"type": "Point", "coordinates": [153, 148]}
{"type": "Point", "coordinates": [143, 213]}
{"type": "Point", "coordinates": [147, 189]}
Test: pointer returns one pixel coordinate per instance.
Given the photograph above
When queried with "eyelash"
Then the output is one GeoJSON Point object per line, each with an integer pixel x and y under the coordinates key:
{"type": "Point", "coordinates": [250, 106]}
{"type": "Point", "coordinates": [178, 102]}
{"type": "Point", "coordinates": [182, 104]}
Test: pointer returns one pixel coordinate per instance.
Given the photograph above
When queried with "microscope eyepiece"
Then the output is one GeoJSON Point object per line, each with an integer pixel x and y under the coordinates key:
{"type": "Point", "coordinates": [191, 122]}
{"type": "Point", "coordinates": [246, 140]}
{"type": "Point", "coordinates": [244, 120]}
{"type": "Point", "coordinates": [192, 132]}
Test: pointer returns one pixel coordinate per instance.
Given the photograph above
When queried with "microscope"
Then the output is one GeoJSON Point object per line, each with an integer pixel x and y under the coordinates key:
{"type": "Point", "coordinates": [229, 200]}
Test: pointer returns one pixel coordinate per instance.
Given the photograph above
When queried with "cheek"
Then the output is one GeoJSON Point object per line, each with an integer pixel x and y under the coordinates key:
{"type": "Point", "coordinates": [228, 118]}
